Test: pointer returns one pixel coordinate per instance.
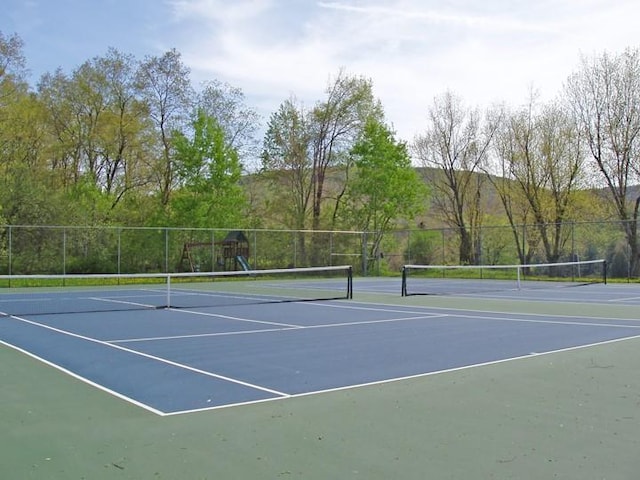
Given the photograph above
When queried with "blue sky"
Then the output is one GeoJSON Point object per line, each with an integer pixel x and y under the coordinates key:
{"type": "Point", "coordinates": [413, 50]}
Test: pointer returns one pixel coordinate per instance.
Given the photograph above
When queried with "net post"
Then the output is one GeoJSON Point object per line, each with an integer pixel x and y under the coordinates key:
{"type": "Point", "coordinates": [604, 271]}
{"type": "Point", "coordinates": [350, 282]}
{"type": "Point", "coordinates": [168, 291]}
{"type": "Point", "coordinates": [518, 267]}
{"type": "Point", "coordinates": [404, 281]}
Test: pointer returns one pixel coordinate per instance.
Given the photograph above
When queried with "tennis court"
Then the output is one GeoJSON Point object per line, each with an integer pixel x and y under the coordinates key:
{"type": "Point", "coordinates": [317, 346]}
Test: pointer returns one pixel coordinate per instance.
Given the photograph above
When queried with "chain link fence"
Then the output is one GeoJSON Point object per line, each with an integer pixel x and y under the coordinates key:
{"type": "Point", "coordinates": [66, 249]}
{"type": "Point", "coordinates": [26, 250]}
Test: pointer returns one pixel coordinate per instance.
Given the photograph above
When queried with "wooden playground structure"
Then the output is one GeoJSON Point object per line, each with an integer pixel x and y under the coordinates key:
{"type": "Point", "coordinates": [230, 254]}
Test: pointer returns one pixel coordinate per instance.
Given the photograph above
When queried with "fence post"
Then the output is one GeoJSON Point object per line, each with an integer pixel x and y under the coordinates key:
{"type": "Point", "coordinates": [213, 250]}
{"type": "Point", "coordinates": [524, 244]}
{"type": "Point", "coordinates": [364, 254]}
{"type": "Point", "coordinates": [331, 248]}
{"type": "Point", "coordinates": [64, 250]}
{"type": "Point", "coordinates": [255, 249]}
{"type": "Point", "coordinates": [119, 252]}
{"type": "Point", "coordinates": [294, 237]}
{"type": "Point", "coordinates": [10, 247]}
{"type": "Point", "coordinates": [574, 257]}
{"type": "Point", "coordinates": [166, 250]}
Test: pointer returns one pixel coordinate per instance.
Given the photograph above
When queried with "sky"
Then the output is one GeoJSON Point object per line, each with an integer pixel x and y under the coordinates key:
{"type": "Point", "coordinates": [412, 50]}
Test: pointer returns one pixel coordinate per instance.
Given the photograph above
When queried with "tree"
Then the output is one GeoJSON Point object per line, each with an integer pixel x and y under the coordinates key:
{"type": "Point", "coordinates": [385, 188]}
{"type": "Point", "coordinates": [286, 161]}
{"type": "Point", "coordinates": [164, 86]}
{"type": "Point", "coordinates": [309, 153]}
{"type": "Point", "coordinates": [499, 171]}
{"type": "Point", "coordinates": [12, 69]}
{"type": "Point", "coordinates": [452, 150]}
{"type": "Point", "coordinates": [17, 107]}
{"type": "Point", "coordinates": [336, 123]}
{"type": "Point", "coordinates": [560, 162]}
{"type": "Point", "coordinates": [540, 158]}
{"type": "Point", "coordinates": [208, 172]}
{"type": "Point", "coordinates": [25, 186]}
{"type": "Point", "coordinates": [603, 96]}
{"type": "Point", "coordinates": [239, 122]}
{"type": "Point", "coordinates": [287, 166]}
{"type": "Point", "coordinates": [99, 130]}
{"type": "Point", "coordinates": [123, 137]}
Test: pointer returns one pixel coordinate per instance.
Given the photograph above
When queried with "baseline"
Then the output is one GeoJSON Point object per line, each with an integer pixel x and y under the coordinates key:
{"type": "Point", "coordinates": [65, 351]}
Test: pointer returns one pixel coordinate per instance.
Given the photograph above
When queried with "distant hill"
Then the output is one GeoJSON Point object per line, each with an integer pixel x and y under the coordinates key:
{"type": "Point", "coordinates": [256, 185]}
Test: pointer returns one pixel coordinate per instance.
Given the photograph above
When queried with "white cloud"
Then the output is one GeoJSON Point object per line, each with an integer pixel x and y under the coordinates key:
{"type": "Point", "coordinates": [221, 10]}
{"type": "Point", "coordinates": [485, 52]}
{"type": "Point", "coordinates": [440, 17]}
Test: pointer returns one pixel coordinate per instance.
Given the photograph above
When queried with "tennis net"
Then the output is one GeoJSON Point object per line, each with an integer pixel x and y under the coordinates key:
{"type": "Point", "coordinates": [51, 294]}
{"type": "Point", "coordinates": [461, 279]}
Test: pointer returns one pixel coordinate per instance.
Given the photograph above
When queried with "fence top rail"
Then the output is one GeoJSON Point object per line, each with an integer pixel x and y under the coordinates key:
{"type": "Point", "coordinates": [177, 229]}
{"type": "Point", "coordinates": [440, 228]}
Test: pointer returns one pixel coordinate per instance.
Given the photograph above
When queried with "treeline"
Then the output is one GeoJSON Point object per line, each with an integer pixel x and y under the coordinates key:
{"type": "Point", "coordinates": [127, 141]}
{"type": "Point", "coordinates": [548, 165]}
{"type": "Point", "coordinates": [123, 141]}
{"type": "Point", "coordinates": [120, 141]}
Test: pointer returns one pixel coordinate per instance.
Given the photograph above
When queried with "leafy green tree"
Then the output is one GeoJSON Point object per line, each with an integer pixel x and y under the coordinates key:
{"type": "Point", "coordinates": [98, 131]}
{"type": "Point", "coordinates": [307, 154]}
{"type": "Point", "coordinates": [227, 104]}
{"type": "Point", "coordinates": [385, 188]}
{"type": "Point", "coordinates": [165, 88]}
{"type": "Point", "coordinates": [287, 168]}
{"type": "Point", "coordinates": [208, 172]}
{"type": "Point", "coordinates": [15, 104]}
{"type": "Point", "coordinates": [286, 162]}
{"type": "Point", "coordinates": [26, 191]}
{"type": "Point", "coordinates": [12, 69]}
{"type": "Point", "coordinates": [123, 137]}
{"type": "Point", "coordinates": [335, 125]}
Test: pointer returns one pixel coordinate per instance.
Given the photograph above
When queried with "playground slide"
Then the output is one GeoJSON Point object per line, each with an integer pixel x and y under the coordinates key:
{"type": "Point", "coordinates": [243, 262]}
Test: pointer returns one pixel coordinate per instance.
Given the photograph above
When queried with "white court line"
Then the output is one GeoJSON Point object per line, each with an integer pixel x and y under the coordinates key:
{"type": "Point", "coordinates": [286, 326]}
{"type": "Point", "coordinates": [197, 335]}
{"type": "Point", "coordinates": [84, 379]}
{"type": "Point", "coordinates": [386, 308]}
{"type": "Point", "coordinates": [419, 316]}
{"type": "Point", "coordinates": [497, 312]}
{"type": "Point", "coordinates": [411, 377]}
{"type": "Point", "coordinates": [537, 298]}
{"type": "Point", "coordinates": [123, 302]}
{"type": "Point", "coordinates": [552, 322]}
{"type": "Point", "coordinates": [348, 387]}
{"type": "Point", "coordinates": [145, 355]}
{"type": "Point", "coordinates": [372, 322]}
{"type": "Point", "coordinates": [269, 330]}
{"type": "Point", "coordinates": [580, 320]}
{"type": "Point", "coordinates": [419, 313]}
{"type": "Point", "coordinates": [624, 299]}
{"type": "Point", "coordinates": [229, 317]}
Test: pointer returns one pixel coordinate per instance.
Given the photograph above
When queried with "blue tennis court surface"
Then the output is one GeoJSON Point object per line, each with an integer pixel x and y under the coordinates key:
{"type": "Point", "coordinates": [173, 361]}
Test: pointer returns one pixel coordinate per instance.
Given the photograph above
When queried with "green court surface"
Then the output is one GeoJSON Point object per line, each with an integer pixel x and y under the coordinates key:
{"type": "Point", "coordinates": [572, 414]}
